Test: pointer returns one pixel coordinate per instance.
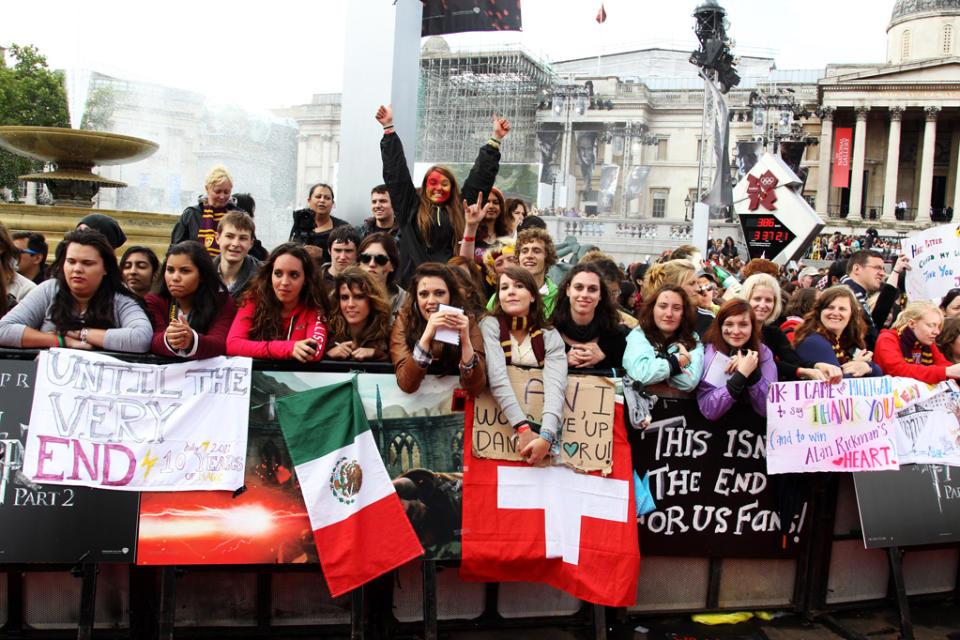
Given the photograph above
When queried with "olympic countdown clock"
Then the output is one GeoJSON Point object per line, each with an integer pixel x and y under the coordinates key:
{"type": "Point", "coordinates": [777, 223]}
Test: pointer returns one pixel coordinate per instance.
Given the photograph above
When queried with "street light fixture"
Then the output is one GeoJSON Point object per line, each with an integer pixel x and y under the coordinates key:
{"type": "Point", "coordinates": [686, 208]}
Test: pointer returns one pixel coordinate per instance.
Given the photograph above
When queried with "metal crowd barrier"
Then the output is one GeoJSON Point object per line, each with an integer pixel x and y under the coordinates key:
{"type": "Point", "coordinates": [715, 542]}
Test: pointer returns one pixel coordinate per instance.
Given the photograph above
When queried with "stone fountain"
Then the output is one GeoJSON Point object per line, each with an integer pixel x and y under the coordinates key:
{"type": "Point", "coordinates": [74, 152]}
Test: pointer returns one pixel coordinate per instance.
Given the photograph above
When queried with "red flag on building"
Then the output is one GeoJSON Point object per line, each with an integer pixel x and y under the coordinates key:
{"type": "Point", "coordinates": [601, 15]}
{"type": "Point", "coordinates": [842, 144]}
{"type": "Point", "coordinates": [574, 531]}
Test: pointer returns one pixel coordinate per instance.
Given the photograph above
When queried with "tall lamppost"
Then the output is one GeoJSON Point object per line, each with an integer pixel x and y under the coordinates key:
{"type": "Point", "coordinates": [686, 208]}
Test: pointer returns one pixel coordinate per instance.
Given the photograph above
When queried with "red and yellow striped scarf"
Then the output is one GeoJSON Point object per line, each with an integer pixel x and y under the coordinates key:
{"type": "Point", "coordinates": [512, 323]}
{"type": "Point", "coordinates": [912, 350]}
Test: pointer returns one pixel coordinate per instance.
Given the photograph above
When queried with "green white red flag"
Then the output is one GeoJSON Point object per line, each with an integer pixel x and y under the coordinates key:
{"type": "Point", "coordinates": [359, 525]}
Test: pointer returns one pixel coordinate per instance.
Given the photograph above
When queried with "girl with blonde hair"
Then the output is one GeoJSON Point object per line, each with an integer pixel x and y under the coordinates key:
{"type": "Point", "coordinates": [909, 348]}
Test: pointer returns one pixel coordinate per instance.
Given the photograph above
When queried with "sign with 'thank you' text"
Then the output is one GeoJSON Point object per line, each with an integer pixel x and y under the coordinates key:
{"type": "Point", "coordinates": [818, 426]}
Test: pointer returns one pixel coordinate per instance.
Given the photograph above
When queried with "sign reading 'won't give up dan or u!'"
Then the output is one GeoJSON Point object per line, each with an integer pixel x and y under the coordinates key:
{"type": "Point", "coordinates": [586, 434]}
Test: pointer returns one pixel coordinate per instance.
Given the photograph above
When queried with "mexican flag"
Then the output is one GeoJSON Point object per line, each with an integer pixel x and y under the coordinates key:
{"type": "Point", "coordinates": [359, 525]}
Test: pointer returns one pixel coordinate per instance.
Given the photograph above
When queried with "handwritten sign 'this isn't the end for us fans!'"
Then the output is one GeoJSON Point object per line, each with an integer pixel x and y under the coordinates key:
{"type": "Point", "coordinates": [817, 426]}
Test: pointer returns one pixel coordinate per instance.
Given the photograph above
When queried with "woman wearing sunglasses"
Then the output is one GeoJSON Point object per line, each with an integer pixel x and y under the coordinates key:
{"type": "Point", "coordinates": [378, 256]}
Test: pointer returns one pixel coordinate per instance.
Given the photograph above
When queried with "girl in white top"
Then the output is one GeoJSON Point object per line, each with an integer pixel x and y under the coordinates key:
{"type": "Point", "coordinates": [516, 333]}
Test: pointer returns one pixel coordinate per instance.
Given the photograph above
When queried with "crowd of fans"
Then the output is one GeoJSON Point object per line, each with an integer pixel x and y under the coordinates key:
{"type": "Point", "coordinates": [455, 277]}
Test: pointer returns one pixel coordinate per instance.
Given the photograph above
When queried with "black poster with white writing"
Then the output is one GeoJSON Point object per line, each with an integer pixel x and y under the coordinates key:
{"type": "Point", "coordinates": [709, 484]}
{"type": "Point", "coordinates": [47, 523]}
{"type": "Point", "coordinates": [927, 505]}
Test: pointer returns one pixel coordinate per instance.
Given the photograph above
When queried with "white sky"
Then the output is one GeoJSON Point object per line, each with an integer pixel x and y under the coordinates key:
{"type": "Point", "coordinates": [278, 53]}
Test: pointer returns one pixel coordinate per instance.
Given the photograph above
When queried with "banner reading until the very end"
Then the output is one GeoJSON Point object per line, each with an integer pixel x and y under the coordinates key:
{"type": "Point", "coordinates": [818, 426]}
{"type": "Point", "coordinates": [101, 422]}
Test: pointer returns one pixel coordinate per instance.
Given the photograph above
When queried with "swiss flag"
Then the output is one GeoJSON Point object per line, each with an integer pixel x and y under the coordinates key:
{"type": "Point", "coordinates": [601, 15]}
{"type": "Point", "coordinates": [574, 531]}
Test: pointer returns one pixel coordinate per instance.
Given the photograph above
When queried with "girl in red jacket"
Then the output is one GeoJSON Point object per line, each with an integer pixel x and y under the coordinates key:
{"type": "Point", "coordinates": [282, 315]}
{"type": "Point", "coordinates": [908, 348]}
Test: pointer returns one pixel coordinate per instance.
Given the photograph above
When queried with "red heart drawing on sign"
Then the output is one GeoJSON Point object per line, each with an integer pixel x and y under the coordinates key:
{"type": "Point", "coordinates": [838, 462]}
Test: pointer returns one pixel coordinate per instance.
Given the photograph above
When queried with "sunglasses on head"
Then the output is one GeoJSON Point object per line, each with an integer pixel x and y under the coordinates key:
{"type": "Point", "coordinates": [379, 258]}
{"type": "Point", "coordinates": [30, 252]}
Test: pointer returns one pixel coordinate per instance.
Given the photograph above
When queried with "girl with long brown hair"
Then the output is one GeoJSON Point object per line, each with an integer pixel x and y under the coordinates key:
{"type": "Point", "coordinates": [431, 218]}
{"type": "Point", "coordinates": [665, 346]}
{"type": "Point", "coordinates": [359, 325]}
{"type": "Point", "coordinates": [413, 344]}
{"type": "Point", "coordinates": [517, 333]}
{"type": "Point", "coordinates": [282, 315]}
{"type": "Point", "coordinates": [748, 365]}
{"type": "Point", "coordinates": [833, 331]}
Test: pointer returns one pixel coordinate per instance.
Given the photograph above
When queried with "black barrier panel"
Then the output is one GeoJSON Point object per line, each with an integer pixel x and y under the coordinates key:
{"type": "Point", "coordinates": [52, 523]}
{"type": "Point", "coordinates": [709, 483]}
{"type": "Point", "coordinates": [919, 504]}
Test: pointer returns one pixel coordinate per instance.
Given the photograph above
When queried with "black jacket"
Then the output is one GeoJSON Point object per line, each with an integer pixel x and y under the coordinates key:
{"type": "Point", "coordinates": [304, 223]}
{"type": "Point", "coordinates": [188, 225]}
{"type": "Point", "coordinates": [406, 203]}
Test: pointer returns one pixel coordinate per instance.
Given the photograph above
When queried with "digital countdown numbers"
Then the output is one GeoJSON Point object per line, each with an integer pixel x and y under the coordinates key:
{"type": "Point", "coordinates": [765, 235]}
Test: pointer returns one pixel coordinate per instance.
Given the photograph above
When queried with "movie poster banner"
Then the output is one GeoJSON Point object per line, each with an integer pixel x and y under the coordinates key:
{"type": "Point", "coordinates": [420, 437]}
{"type": "Point", "coordinates": [927, 427]}
{"type": "Point", "coordinates": [919, 504]}
{"type": "Point", "coordinates": [53, 524]}
{"type": "Point", "coordinates": [710, 488]}
{"type": "Point", "coordinates": [818, 426]}
{"type": "Point", "coordinates": [101, 422]}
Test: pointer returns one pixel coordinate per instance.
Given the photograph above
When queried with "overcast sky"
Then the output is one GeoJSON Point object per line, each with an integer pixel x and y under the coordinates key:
{"type": "Point", "coordinates": [279, 53]}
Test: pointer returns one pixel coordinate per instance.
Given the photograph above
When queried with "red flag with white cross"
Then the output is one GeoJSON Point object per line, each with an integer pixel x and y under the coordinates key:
{"type": "Point", "coordinates": [574, 531]}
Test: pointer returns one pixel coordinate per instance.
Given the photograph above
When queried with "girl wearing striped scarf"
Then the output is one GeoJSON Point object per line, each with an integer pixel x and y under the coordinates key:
{"type": "Point", "coordinates": [909, 349]}
{"type": "Point", "coordinates": [516, 333]}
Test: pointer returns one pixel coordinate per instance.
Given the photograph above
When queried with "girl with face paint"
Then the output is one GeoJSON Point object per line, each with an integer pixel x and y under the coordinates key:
{"type": "Point", "coordinates": [431, 218]}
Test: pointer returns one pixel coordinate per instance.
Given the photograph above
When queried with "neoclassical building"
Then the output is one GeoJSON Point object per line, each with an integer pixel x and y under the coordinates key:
{"type": "Point", "coordinates": [644, 109]}
{"type": "Point", "coordinates": [905, 116]}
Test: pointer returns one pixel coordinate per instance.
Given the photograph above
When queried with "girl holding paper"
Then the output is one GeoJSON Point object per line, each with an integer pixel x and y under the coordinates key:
{"type": "Point", "coordinates": [359, 318]}
{"type": "Point", "coordinates": [434, 302]}
{"type": "Point", "coordinates": [282, 314]}
{"type": "Point", "coordinates": [738, 366]}
{"type": "Point", "coordinates": [193, 312]}
{"type": "Point", "coordinates": [908, 349]}
{"type": "Point", "coordinates": [665, 347]}
{"type": "Point", "coordinates": [516, 333]}
{"type": "Point", "coordinates": [833, 333]}
{"type": "Point", "coordinates": [85, 305]}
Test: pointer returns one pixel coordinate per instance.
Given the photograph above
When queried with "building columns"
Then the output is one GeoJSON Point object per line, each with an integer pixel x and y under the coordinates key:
{"type": "Point", "coordinates": [892, 167]}
{"type": "Point", "coordinates": [826, 161]}
{"type": "Point", "coordinates": [926, 162]}
{"type": "Point", "coordinates": [859, 156]}
{"type": "Point", "coordinates": [956, 188]}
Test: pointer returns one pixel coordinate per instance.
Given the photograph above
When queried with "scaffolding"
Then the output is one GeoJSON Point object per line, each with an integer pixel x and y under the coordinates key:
{"type": "Point", "coordinates": [460, 92]}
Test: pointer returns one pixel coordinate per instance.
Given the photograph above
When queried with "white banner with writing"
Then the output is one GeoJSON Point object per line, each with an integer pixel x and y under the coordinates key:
{"type": "Point", "coordinates": [101, 422]}
{"type": "Point", "coordinates": [933, 257]}
{"type": "Point", "coordinates": [818, 426]}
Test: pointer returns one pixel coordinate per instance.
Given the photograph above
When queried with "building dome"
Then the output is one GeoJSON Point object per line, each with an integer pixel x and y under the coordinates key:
{"type": "Point", "coordinates": [922, 30]}
{"type": "Point", "coordinates": [907, 9]}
